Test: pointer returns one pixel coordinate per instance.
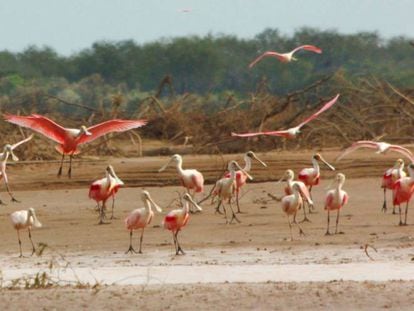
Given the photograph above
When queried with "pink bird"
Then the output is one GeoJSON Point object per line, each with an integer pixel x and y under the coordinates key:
{"type": "Point", "coordinates": [25, 219]}
{"type": "Point", "coordinates": [294, 131]}
{"type": "Point", "coordinates": [102, 189]}
{"type": "Point", "coordinates": [178, 218]}
{"type": "Point", "coordinates": [390, 177]}
{"type": "Point", "coordinates": [403, 191]}
{"type": "Point", "coordinates": [289, 178]}
{"type": "Point", "coordinates": [191, 179]}
{"type": "Point", "coordinates": [241, 177]}
{"type": "Point", "coordinates": [381, 147]}
{"type": "Point", "coordinates": [291, 204]}
{"type": "Point", "coordinates": [4, 156]}
{"type": "Point", "coordinates": [139, 218]}
{"type": "Point", "coordinates": [285, 57]}
{"type": "Point", "coordinates": [69, 139]}
{"type": "Point", "coordinates": [336, 199]}
{"type": "Point", "coordinates": [310, 176]}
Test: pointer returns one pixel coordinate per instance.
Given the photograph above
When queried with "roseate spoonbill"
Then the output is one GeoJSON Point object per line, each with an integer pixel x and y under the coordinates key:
{"type": "Point", "coordinates": [191, 179]}
{"type": "Point", "coordinates": [291, 204]}
{"type": "Point", "coordinates": [403, 191]}
{"type": "Point", "coordinates": [69, 139]}
{"type": "Point", "coordinates": [289, 178]}
{"type": "Point", "coordinates": [336, 199]}
{"type": "Point", "coordinates": [102, 189]}
{"type": "Point", "coordinates": [382, 147]}
{"type": "Point", "coordinates": [285, 57]}
{"type": "Point", "coordinates": [226, 187]}
{"type": "Point", "coordinates": [178, 218]}
{"type": "Point", "coordinates": [241, 178]}
{"type": "Point", "coordinates": [390, 177]}
{"type": "Point", "coordinates": [294, 131]}
{"type": "Point", "coordinates": [310, 176]}
{"type": "Point", "coordinates": [7, 151]}
{"type": "Point", "coordinates": [25, 219]}
{"type": "Point", "coordinates": [139, 218]}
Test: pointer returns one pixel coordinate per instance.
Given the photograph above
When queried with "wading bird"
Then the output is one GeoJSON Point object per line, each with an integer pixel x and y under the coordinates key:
{"type": "Point", "coordinates": [381, 147]}
{"type": "Point", "coordinates": [294, 131]}
{"type": "Point", "coordinates": [226, 187]}
{"type": "Point", "coordinates": [178, 218]}
{"type": "Point", "coordinates": [102, 189]}
{"type": "Point", "coordinates": [390, 177]}
{"type": "Point", "coordinates": [139, 218]}
{"type": "Point", "coordinates": [304, 191]}
{"type": "Point", "coordinates": [403, 191]}
{"type": "Point", "coordinates": [310, 176]}
{"type": "Point", "coordinates": [191, 179]}
{"type": "Point", "coordinates": [291, 204]}
{"type": "Point", "coordinates": [285, 57]}
{"type": "Point", "coordinates": [25, 219]}
{"type": "Point", "coordinates": [69, 139]}
{"type": "Point", "coordinates": [336, 199]}
{"type": "Point", "coordinates": [7, 151]}
{"type": "Point", "coordinates": [241, 177]}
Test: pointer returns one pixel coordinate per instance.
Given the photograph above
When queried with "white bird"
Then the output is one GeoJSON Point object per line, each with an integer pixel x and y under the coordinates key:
{"type": "Point", "coordinates": [7, 151]}
{"type": "Point", "coordinates": [381, 147]}
{"type": "Point", "coordinates": [25, 219]}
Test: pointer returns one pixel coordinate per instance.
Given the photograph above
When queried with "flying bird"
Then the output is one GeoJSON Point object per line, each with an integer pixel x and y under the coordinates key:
{"type": "Point", "coordinates": [69, 139]}
{"type": "Point", "coordinates": [381, 147]}
{"type": "Point", "coordinates": [336, 199]}
{"type": "Point", "coordinates": [292, 132]}
{"type": "Point", "coordinates": [7, 151]}
{"type": "Point", "coordinates": [285, 57]}
{"type": "Point", "coordinates": [25, 219]}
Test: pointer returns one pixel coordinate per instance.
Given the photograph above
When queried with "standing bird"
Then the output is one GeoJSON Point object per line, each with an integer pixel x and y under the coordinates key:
{"type": "Point", "coordinates": [102, 189]}
{"type": "Point", "coordinates": [289, 178]}
{"type": "Point", "coordinates": [291, 204]}
{"type": "Point", "coordinates": [178, 218]}
{"type": "Point", "coordinates": [241, 177]}
{"type": "Point", "coordinates": [69, 139]}
{"type": "Point", "coordinates": [285, 57]}
{"type": "Point", "coordinates": [7, 151]}
{"type": "Point", "coordinates": [294, 131]}
{"type": "Point", "coordinates": [403, 191]}
{"type": "Point", "coordinates": [390, 177]}
{"type": "Point", "coordinates": [25, 219]}
{"type": "Point", "coordinates": [139, 218]}
{"type": "Point", "coordinates": [226, 187]}
{"type": "Point", "coordinates": [336, 199]}
{"type": "Point", "coordinates": [190, 179]}
{"type": "Point", "coordinates": [310, 176]}
{"type": "Point", "coordinates": [382, 148]}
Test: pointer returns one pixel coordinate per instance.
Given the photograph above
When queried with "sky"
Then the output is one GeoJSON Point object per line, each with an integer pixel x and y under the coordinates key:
{"type": "Point", "coordinates": [68, 26]}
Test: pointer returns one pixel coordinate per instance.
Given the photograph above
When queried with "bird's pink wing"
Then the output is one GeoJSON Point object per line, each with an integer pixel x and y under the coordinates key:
{"type": "Point", "coordinates": [403, 150]}
{"type": "Point", "coordinates": [266, 54]}
{"type": "Point", "coordinates": [39, 124]}
{"type": "Point", "coordinates": [345, 199]}
{"type": "Point", "coordinates": [270, 133]}
{"type": "Point", "coordinates": [21, 142]}
{"type": "Point", "coordinates": [106, 127]}
{"type": "Point", "coordinates": [323, 109]}
{"type": "Point", "coordinates": [308, 48]}
{"type": "Point", "coordinates": [357, 145]}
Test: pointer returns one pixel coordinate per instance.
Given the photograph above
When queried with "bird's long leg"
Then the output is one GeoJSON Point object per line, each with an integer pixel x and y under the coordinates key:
{"type": "Point", "coordinates": [30, 237]}
{"type": "Point", "coordinates": [327, 229]}
{"type": "Point", "coordinates": [20, 243]}
{"type": "Point", "coordinates": [384, 205]}
{"type": "Point", "coordinates": [406, 212]}
{"type": "Point", "coordinates": [10, 193]}
{"type": "Point", "coordinates": [224, 211]}
{"type": "Point", "coordinates": [140, 241]}
{"type": "Point", "coordinates": [300, 228]}
{"type": "Point", "coordinates": [337, 221]}
{"type": "Point", "coordinates": [233, 216]}
{"type": "Point", "coordinates": [179, 249]}
{"type": "Point", "coordinates": [237, 201]}
{"type": "Point", "coordinates": [290, 228]}
{"type": "Point", "coordinates": [102, 213]}
{"type": "Point", "coordinates": [113, 205]}
{"type": "Point", "coordinates": [311, 206]}
{"type": "Point", "coordinates": [400, 223]}
{"type": "Point", "coordinates": [175, 242]}
{"type": "Point", "coordinates": [130, 249]}
{"type": "Point", "coordinates": [218, 208]}
{"type": "Point", "coordinates": [305, 217]}
{"type": "Point", "coordinates": [61, 165]}
{"type": "Point", "coordinates": [70, 166]}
